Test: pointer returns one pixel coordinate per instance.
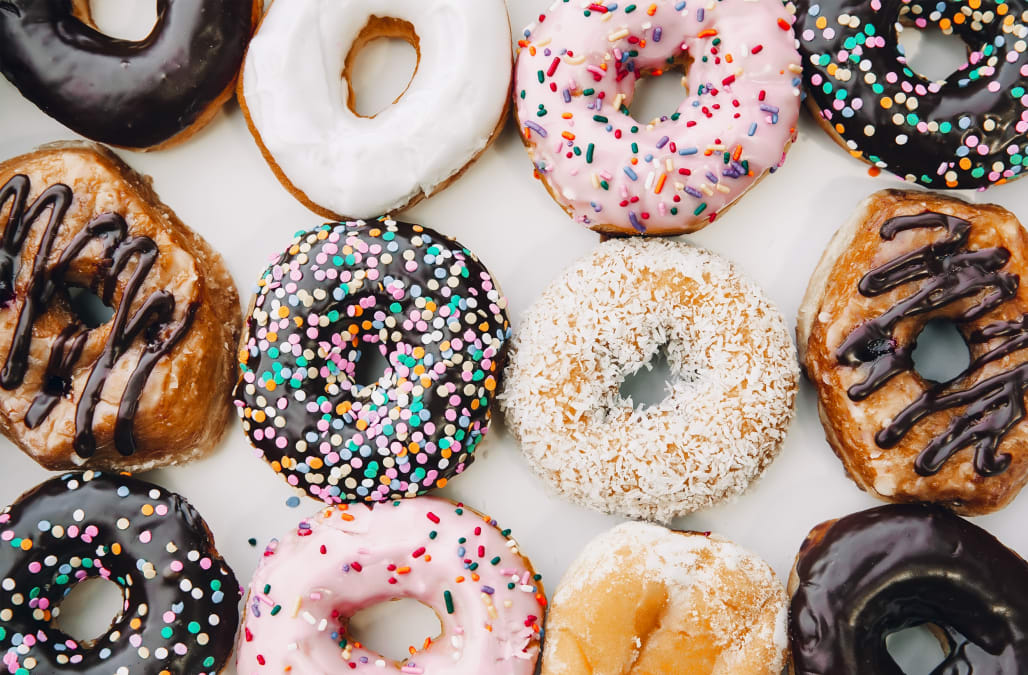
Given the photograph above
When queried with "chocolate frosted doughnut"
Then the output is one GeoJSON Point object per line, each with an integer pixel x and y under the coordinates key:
{"type": "Point", "coordinates": [860, 578]}
{"type": "Point", "coordinates": [967, 131]}
{"type": "Point", "coordinates": [180, 607]}
{"type": "Point", "coordinates": [146, 94]}
{"type": "Point", "coordinates": [427, 305]}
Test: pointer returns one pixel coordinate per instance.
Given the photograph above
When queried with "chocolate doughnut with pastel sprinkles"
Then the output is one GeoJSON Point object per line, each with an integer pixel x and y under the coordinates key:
{"type": "Point", "coordinates": [487, 597]}
{"type": "Point", "coordinates": [575, 80]}
{"type": "Point", "coordinates": [180, 609]}
{"type": "Point", "coordinates": [966, 131]}
{"type": "Point", "coordinates": [427, 305]}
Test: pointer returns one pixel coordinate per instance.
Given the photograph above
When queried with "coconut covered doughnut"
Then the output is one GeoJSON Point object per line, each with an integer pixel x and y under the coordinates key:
{"type": "Point", "coordinates": [149, 385]}
{"type": "Point", "coordinates": [643, 599]}
{"type": "Point", "coordinates": [904, 259]}
{"type": "Point", "coordinates": [575, 80]}
{"type": "Point", "coordinates": [343, 165]}
{"type": "Point", "coordinates": [604, 318]}
{"type": "Point", "coordinates": [487, 597]}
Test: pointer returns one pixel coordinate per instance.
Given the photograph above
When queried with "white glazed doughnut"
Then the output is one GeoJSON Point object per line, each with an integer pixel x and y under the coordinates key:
{"type": "Point", "coordinates": [345, 166]}
{"type": "Point", "coordinates": [724, 418]}
{"type": "Point", "coordinates": [487, 597]}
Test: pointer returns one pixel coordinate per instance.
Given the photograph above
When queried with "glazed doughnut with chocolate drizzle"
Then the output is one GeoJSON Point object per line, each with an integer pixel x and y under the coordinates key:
{"type": "Point", "coordinates": [148, 386]}
{"type": "Point", "coordinates": [905, 259]}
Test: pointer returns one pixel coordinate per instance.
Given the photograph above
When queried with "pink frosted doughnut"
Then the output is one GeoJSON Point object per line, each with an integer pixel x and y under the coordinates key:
{"type": "Point", "coordinates": [488, 599]}
{"type": "Point", "coordinates": [575, 78]}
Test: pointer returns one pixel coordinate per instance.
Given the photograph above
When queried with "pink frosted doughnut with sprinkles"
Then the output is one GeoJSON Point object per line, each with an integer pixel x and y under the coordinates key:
{"type": "Point", "coordinates": [339, 292]}
{"type": "Point", "coordinates": [487, 597]}
{"type": "Point", "coordinates": [575, 79]}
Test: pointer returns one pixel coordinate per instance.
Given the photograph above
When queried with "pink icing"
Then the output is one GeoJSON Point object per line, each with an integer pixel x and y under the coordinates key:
{"type": "Point", "coordinates": [742, 105]}
{"type": "Point", "coordinates": [345, 559]}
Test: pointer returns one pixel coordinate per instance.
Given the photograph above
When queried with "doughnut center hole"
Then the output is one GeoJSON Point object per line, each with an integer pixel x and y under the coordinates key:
{"type": "Point", "coordinates": [381, 65]}
{"type": "Point", "coordinates": [88, 307]}
{"type": "Point", "coordinates": [651, 384]}
{"type": "Point", "coordinates": [930, 52]}
{"type": "Point", "coordinates": [941, 353]}
{"type": "Point", "coordinates": [393, 628]}
{"type": "Point", "coordinates": [121, 20]}
{"type": "Point", "coordinates": [659, 96]}
{"type": "Point", "coordinates": [916, 650]}
{"type": "Point", "coordinates": [370, 367]}
{"type": "Point", "coordinates": [89, 609]}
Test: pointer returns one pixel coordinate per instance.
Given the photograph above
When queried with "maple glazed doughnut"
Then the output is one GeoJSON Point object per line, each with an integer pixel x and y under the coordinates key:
{"type": "Point", "coordinates": [730, 355]}
{"type": "Point", "coordinates": [644, 599]}
{"type": "Point", "coordinates": [150, 385]}
{"type": "Point", "coordinates": [343, 165]}
{"type": "Point", "coordinates": [575, 80]}
{"type": "Point", "coordinates": [487, 597]}
{"type": "Point", "coordinates": [427, 305]}
{"type": "Point", "coordinates": [906, 258]}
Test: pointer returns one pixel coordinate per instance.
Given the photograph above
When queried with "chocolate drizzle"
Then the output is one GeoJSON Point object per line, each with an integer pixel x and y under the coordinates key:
{"type": "Point", "coordinates": [152, 320]}
{"type": "Point", "coordinates": [879, 571]}
{"type": "Point", "coordinates": [952, 273]}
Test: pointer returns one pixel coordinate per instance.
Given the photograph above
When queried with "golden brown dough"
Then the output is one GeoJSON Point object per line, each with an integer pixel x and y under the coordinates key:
{"type": "Point", "coordinates": [645, 600]}
{"type": "Point", "coordinates": [958, 452]}
{"type": "Point", "coordinates": [189, 333]}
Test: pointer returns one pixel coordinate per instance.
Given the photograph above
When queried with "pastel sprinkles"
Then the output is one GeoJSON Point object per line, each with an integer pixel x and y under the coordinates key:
{"type": "Point", "coordinates": [427, 305]}
{"type": "Point", "coordinates": [575, 80]}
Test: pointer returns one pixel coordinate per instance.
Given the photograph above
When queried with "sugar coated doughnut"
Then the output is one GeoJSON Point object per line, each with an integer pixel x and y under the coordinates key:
{"type": "Point", "coordinates": [969, 130]}
{"type": "Point", "coordinates": [575, 79]}
{"type": "Point", "coordinates": [340, 290]}
{"type": "Point", "coordinates": [345, 165]}
{"type": "Point", "coordinates": [149, 385]}
{"type": "Point", "coordinates": [860, 578]}
{"type": "Point", "coordinates": [904, 259]}
{"type": "Point", "coordinates": [145, 95]}
{"type": "Point", "coordinates": [488, 599]}
{"type": "Point", "coordinates": [644, 599]}
{"type": "Point", "coordinates": [727, 410]}
{"type": "Point", "coordinates": [180, 608]}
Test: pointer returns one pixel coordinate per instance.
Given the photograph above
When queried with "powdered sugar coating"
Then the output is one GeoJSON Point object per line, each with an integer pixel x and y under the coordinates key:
{"type": "Point", "coordinates": [724, 418]}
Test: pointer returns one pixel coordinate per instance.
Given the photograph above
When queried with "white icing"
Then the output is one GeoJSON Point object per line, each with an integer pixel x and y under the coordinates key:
{"type": "Point", "coordinates": [365, 167]}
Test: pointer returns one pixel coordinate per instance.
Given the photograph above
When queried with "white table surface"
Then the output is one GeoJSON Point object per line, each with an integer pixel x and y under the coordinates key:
{"type": "Point", "coordinates": [218, 183]}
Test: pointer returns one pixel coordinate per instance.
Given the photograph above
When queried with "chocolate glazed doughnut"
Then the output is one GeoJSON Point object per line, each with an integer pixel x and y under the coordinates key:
{"type": "Point", "coordinates": [148, 94]}
{"type": "Point", "coordinates": [180, 608]}
{"type": "Point", "coordinates": [862, 577]}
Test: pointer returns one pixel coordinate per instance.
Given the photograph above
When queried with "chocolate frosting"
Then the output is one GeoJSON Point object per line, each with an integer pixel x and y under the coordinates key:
{"type": "Point", "coordinates": [879, 571]}
{"type": "Point", "coordinates": [121, 92]}
{"type": "Point", "coordinates": [181, 599]}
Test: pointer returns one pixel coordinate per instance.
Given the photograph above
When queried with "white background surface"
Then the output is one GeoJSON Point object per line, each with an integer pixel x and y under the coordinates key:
{"type": "Point", "coordinates": [218, 183]}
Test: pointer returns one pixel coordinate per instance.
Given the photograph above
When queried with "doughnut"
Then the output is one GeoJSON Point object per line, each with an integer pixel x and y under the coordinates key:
{"type": "Point", "coordinates": [149, 94]}
{"type": "Point", "coordinates": [644, 599]}
{"type": "Point", "coordinates": [147, 387]}
{"type": "Point", "coordinates": [575, 81]}
{"type": "Point", "coordinates": [427, 305]}
{"type": "Point", "coordinates": [862, 577]}
{"type": "Point", "coordinates": [180, 598]}
{"type": "Point", "coordinates": [343, 165]}
{"type": "Point", "coordinates": [904, 259]}
{"type": "Point", "coordinates": [487, 597]}
{"type": "Point", "coordinates": [969, 130]}
{"type": "Point", "coordinates": [727, 410]}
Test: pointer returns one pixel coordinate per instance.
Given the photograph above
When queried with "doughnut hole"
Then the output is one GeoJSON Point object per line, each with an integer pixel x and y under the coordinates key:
{"type": "Point", "coordinates": [650, 384]}
{"type": "Point", "coordinates": [117, 18]}
{"type": "Point", "coordinates": [917, 650]}
{"type": "Point", "coordinates": [89, 610]}
{"type": "Point", "coordinates": [930, 52]}
{"type": "Point", "coordinates": [87, 306]}
{"type": "Point", "coordinates": [656, 96]}
{"type": "Point", "coordinates": [941, 353]}
{"type": "Point", "coordinates": [381, 65]}
{"type": "Point", "coordinates": [370, 367]}
{"type": "Point", "coordinates": [396, 629]}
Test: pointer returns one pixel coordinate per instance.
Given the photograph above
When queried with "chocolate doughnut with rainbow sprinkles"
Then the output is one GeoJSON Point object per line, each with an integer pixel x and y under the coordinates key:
{"type": "Point", "coordinates": [180, 609]}
{"type": "Point", "coordinates": [426, 305]}
{"type": "Point", "coordinates": [967, 131]}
